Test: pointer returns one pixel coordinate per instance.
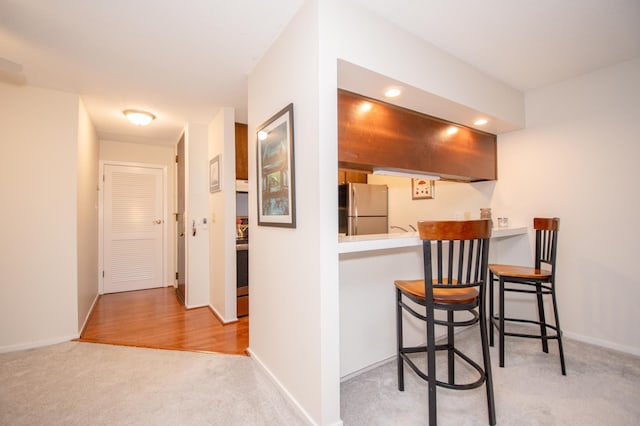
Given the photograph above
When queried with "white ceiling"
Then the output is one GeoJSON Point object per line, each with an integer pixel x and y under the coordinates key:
{"type": "Point", "coordinates": [184, 60]}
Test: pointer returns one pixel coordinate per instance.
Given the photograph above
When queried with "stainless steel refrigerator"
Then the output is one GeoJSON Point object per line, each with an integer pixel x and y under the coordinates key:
{"type": "Point", "coordinates": [363, 209]}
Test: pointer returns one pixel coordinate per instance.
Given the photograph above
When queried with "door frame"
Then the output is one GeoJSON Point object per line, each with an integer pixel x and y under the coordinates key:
{"type": "Point", "coordinates": [165, 227]}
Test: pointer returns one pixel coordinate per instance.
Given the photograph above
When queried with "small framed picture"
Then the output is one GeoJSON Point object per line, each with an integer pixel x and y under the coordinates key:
{"type": "Point", "coordinates": [214, 174]}
{"type": "Point", "coordinates": [276, 177]}
{"type": "Point", "coordinates": [422, 189]}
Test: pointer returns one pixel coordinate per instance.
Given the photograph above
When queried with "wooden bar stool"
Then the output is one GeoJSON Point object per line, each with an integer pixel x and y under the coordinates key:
{"type": "Point", "coordinates": [454, 280]}
{"type": "Point", "coordinates": [536, 280]}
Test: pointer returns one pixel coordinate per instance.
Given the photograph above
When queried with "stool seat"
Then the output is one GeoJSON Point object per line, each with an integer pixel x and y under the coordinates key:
{"type": "Point", "coordinates": [520, 272]}
{"type": "Point", "coordinates": [461, 295]}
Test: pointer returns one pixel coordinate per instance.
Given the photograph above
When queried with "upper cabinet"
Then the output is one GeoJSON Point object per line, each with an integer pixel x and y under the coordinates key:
{"type": "Point", "coordinates": [348, 176]}
{"type": "Point", "coordinates": [374, 134]}
{"type": "Point", "coordinates": [242, 153]}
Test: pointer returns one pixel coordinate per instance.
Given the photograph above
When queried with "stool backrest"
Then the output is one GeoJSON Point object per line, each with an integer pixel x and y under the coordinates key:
{"type": "Point", "coordinates": [461, 253]}
{"type": "Point", "coordinates": [546, 241]}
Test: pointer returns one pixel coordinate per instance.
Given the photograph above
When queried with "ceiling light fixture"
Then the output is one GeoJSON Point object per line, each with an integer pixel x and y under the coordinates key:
{"type": "Point", "coordinates": [392, 92]}
{"type": "Point", "coordinates": [138, 117]}
{"type": "Point", "coordinates": [481, 122]}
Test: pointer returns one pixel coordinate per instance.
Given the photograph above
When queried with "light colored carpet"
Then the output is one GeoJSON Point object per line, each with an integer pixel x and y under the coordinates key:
{"type": "Point", "coordinates": [602, 387]}
{"type": "Point", "coordinates": [92, 384]}
{"type": "Point", "coordinates": [78, 383]}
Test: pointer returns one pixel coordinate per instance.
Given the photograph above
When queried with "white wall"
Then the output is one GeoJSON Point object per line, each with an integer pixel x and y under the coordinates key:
{"type": "Point", "coordinates": [285, 272]}
{"type": "Point", "coordinates": [197, 192]}
{"type": "Point", "coordinates": [368, 41]}
{"type": "Point", "coordinates": [88, 149]}
{"type": "Point", "coordinates": [39, 225]}
{"type": "Point", "coordinates": [450, 199]}
{"type": "Point", "coordinates": [577, 160]}
{"type": "Point", "coordinates": [222, 215]}
{"type": "Point", "coordinates": [156, 155]}
{"type": "Point", "coordinates": [294, 285]}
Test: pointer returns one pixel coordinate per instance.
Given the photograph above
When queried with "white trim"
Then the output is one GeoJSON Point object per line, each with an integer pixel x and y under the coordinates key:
{"type": "Point", "coordinates": [603, 343]}
{"type": "Point", "coordinates": [220, 318]}
{"type": "Point", "coordinates": [86, 319]}
{"type": "Point", "coordinates": [194, 306]}
{"type": "Point", "coordinates": [165, 251]}
{"type": "Point", "coordinates": [165, 227]}
{"type": "Point", "coordinates": [37, 344]}
{"type": "Point", "coordinates": [295, 404]}
{"type": "Point", "coordinates": [369, 367]}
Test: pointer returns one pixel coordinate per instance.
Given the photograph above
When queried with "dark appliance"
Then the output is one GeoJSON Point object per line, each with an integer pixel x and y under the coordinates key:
{"type": "Point", "coordinates": [242, 266]}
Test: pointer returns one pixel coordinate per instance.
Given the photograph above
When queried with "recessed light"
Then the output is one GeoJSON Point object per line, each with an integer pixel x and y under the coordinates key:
{"type": "Point", "coordinates": [392, 92]}
{"type": "Point", "coordinates": [481, 122]}
{"type": "Point", "coordinates": [138, 117]}
{"type": "Point", "coordinates": [365, 106]}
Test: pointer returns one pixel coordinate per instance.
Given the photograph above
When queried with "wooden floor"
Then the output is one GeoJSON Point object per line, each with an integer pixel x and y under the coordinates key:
{"type": "Point", "coordinates": [157, 319]}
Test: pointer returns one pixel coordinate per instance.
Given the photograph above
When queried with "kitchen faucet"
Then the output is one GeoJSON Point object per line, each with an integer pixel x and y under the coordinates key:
{"type": "Point", "coordinates": [403, 229]}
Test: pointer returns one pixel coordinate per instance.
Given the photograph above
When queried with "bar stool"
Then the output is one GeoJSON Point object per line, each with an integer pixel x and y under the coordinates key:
{"type": "Point", "coordinates": [454, 280]}
{"type": "Point", "coordinates": [538, 281]}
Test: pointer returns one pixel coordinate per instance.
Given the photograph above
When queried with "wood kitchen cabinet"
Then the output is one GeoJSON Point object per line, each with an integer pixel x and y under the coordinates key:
{"type": "Point", "coordinates": [349, 176]}
{"type": "Point", "coordinates": [242, 153]}
{"type": "Point", "coordinates": [390, 137]}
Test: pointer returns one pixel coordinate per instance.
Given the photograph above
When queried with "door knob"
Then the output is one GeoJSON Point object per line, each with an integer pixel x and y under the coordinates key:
{"type": "Point", "coordinates": [157, 221]}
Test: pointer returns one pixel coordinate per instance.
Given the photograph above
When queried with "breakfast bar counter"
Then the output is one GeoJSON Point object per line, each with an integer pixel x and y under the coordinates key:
{"type": "Point", "coordinates": [360, 243]}
{"type": "Point", "coordinates": [368, 267]}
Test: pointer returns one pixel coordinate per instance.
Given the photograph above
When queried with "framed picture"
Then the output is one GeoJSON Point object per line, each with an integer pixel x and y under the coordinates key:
{"type": "Point", "coordinates": [422, 189]}
{"type": "Point", "coordinates": [214, 174]}
{"type": "Point", "coordinates": [276, 178]}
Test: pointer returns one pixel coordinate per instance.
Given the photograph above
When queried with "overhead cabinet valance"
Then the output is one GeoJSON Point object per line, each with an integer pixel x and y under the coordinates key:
{"type": "Point", "coordinates": [374, 134]}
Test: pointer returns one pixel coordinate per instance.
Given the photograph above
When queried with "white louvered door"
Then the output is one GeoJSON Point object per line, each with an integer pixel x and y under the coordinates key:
{"type": "Point", "coordinates": [133, 228]}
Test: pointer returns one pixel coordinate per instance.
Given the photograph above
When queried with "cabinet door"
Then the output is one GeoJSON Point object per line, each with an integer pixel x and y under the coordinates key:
{"type": "Point", "coordinates": [242, 153]}
{"type": "Point", "coordinates": [348, 176]}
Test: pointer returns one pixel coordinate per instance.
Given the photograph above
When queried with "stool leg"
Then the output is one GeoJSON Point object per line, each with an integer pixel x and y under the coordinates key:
{"type": "Point", "coordinates": [491, 324]}
{"type": "Point", "coordinates": [501, 325]}
{"type": "Point", "coordinates": [491, 406]}
{"type": "Point", "coordinates": [431, 363]}
{"type": "Point", "coordinates": [541, 318]}
{"type": "Point", "coordinates": [559, 331]}
{"type": "Point", "coordinates": [451, 345]}
{"type": "Point", "coordinates": [399, 340]}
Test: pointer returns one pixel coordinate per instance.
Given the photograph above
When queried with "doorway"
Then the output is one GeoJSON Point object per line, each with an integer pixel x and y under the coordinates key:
{"type": "Point", "coordinates": [133, 212]}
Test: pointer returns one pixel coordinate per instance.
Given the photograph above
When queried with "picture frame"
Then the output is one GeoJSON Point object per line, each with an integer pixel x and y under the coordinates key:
{"type": "Point", "coordinates": [275, 167]}
{"type": "Point", "coordinates": [422, 189]}
{"type": "Point", "coordinates": [214, 174]}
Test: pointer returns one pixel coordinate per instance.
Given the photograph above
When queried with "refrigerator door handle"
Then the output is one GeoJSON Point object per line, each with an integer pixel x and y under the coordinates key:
{"type": "Point", "coordinates": [354, 200]}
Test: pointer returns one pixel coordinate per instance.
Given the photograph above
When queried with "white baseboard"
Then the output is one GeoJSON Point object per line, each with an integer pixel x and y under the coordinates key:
{"type": "Point", "coordinates": [594, 341]}
{"type": "Point", "coordinates": [284, 390]}
{"type": "Point", "coordinates": [603, 343]}
{"type": "Point", "coordinates": [194, 306]}
{"type": "Point", "coordinates": [37, 344]}
{"type": "Point", "coordinates": [220, 318]}
{"type": "Point", "coordinates": [365, 369]}
{"type": "Point", "coordinates": [86, 319]}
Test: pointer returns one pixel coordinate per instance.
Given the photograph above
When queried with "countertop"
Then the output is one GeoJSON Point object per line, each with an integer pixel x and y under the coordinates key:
{"type": "Point", "coordinates": [359, 243]}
